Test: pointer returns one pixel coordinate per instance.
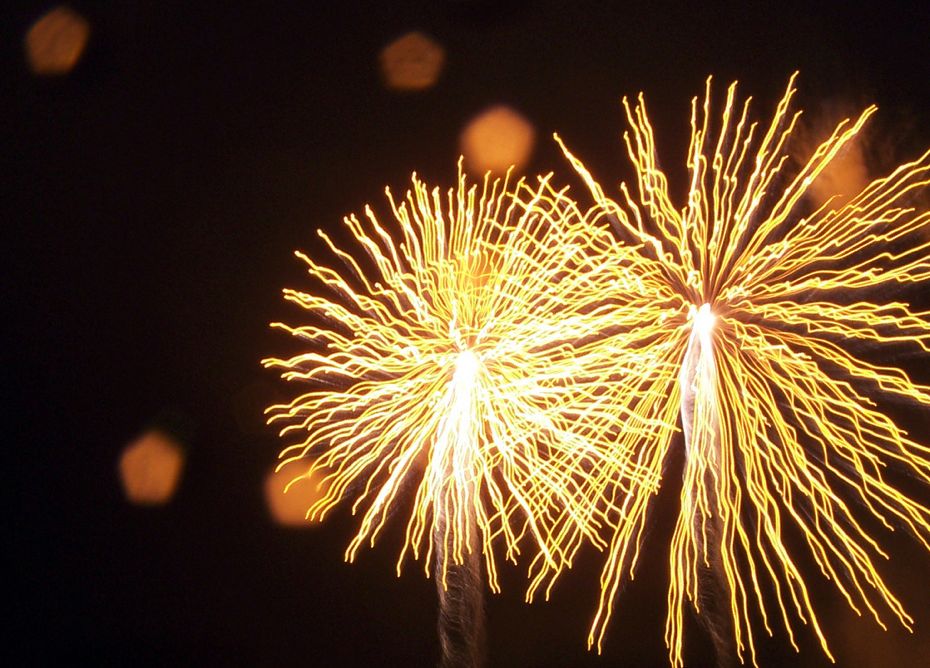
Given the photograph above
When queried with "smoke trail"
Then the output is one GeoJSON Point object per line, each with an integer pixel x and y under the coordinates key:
{"type": "Point", "coordinates": [461, 600]}
{"type": "Point", "coordinates": [697, 376]}
{"type": "Point", "coordinates": [458, 573]}
{"type": "Point", "coordinates": [715, 614]}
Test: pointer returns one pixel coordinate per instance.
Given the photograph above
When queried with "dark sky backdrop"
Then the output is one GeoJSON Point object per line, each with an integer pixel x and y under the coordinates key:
{"type": "Point", "coordinates": [154, 197]}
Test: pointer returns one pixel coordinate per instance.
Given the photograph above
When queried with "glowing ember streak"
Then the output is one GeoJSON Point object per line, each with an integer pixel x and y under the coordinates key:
{"type": "Point", "coordinates": [464, 367]}
{"type": "Point", "coordinates": [758, 307]}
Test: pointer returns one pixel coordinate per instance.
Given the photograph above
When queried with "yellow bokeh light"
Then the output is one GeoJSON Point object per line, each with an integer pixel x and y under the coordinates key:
{"type": "Point", "coordinates": [412, 62]}
{"type": "Point", "coordinates": [150, 468]}
{"type": "Point", "coordinates": [55, 42]}
{"type": "Point", "coordinates": [497, 139]}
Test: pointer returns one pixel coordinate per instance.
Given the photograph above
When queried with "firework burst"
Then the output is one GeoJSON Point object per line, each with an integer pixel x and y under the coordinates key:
{"type": "Point", "coordinates": [755, 307]}
{"type": "Point", "coordinates": [458, 363]}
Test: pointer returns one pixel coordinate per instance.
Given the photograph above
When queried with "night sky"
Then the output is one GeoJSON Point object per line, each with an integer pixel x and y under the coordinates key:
{"type": "Point", "coordinates": [153, 200]}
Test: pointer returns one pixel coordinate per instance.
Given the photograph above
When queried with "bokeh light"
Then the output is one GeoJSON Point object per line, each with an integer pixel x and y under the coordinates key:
{"type": "Point", "coordinates": [412, 62]}
{"type": "Point", "coordinates": [150, 469]}
{"type": "Point", "coordinates": [55, 42]}
{"type": "Point", "coordinates": [496, 139]}
{"type": "Point", "coordinates": [289, 508]}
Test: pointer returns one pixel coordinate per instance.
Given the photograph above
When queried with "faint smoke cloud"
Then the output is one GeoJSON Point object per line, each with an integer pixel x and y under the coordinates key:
{"type": "Point", "coordinates": [412, 62]}
{"type": "Point", "coordinates": [849, 172]}
{"type": "Point", "coordinates": [495, 139]}
{"type": "Point", "coordinates": [55, 42]}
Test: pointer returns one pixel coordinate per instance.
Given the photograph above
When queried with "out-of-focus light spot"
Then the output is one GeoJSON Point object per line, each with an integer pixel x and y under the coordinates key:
{"type": "Point", "coordinates": [150, 469]}
{"type": "Point", "coordinates": [55, 42]}
{"type": "Point", "coordinates": [290, 508]}
{"type": "Point", "coordinates": [496, 139]}
{"type": "Point", "coordinates": [412, 62]}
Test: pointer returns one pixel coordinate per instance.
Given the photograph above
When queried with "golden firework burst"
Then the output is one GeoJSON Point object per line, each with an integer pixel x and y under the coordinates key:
{"type": "Point", "coordinates": [761, 310]}
{"type": "Point", "coordinates": [458, 363]}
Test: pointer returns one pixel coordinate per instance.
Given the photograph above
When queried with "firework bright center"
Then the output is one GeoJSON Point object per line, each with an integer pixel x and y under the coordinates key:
{"type": "Point", "coordinates": [704, 320]}
{"type": "Point", "coordinates": [466, 368]}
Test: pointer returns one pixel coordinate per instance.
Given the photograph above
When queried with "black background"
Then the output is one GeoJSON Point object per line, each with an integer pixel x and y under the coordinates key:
{"type": "Point", "coordinates": [153, 200]}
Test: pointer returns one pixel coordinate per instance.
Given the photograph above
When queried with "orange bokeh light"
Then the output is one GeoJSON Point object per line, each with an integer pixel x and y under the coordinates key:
{"type": "Point", "coordinates": [496, 139]}
{"type": "Point", "coordinates": [55, 42]}
{"type": "Point", "coordinates": [290, 508]}
{"type": "Point", "coordinates": [150, 469]}
{"type": "Point", "coordinates": [412, 62]}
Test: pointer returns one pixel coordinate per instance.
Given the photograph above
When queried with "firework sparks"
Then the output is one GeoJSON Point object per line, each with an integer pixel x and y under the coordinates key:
{"type": "Point", "coordinates": [463, 367]}
{"type": "Point", "coordinates": [756, 307]}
